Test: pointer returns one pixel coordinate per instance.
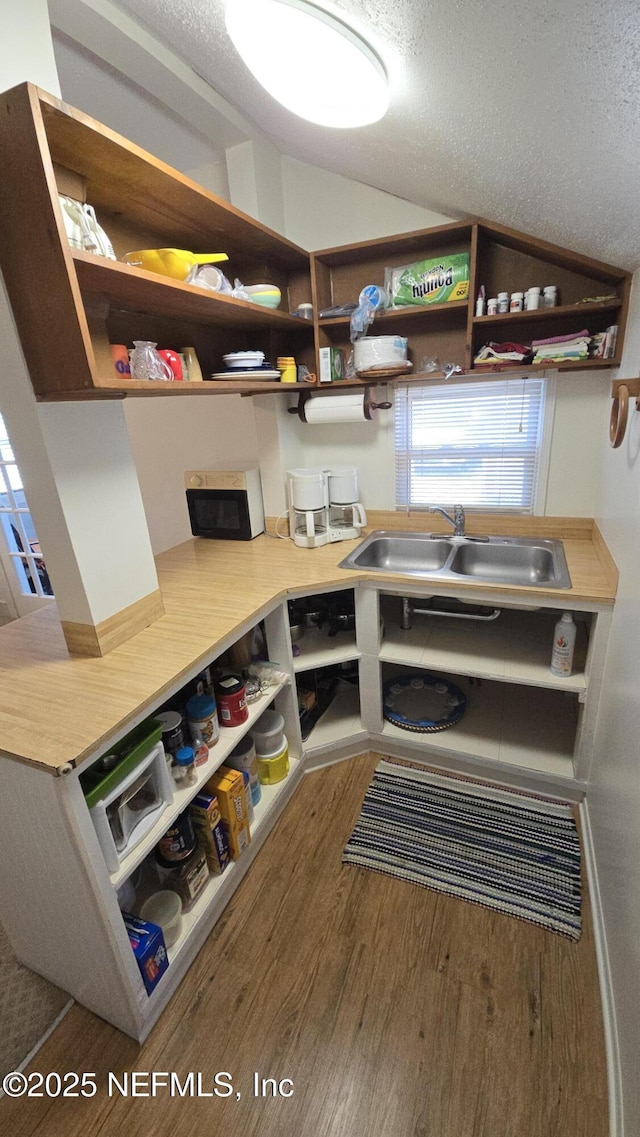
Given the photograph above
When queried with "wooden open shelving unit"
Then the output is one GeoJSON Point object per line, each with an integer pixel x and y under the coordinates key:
{"type": "Point", "coordinates": [70, 306]}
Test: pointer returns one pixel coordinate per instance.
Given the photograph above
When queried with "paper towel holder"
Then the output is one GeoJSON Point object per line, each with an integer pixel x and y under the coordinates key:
{"type": "Point", "coordinates": [369, 406]}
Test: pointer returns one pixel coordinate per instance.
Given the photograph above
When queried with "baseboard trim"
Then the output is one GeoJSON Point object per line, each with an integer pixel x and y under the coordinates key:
{"type": "Point", "coordinates": [334, 754]}
{"type": "Point", "coordinates": [614, 1072]}
{"type": "Point", "coordinates": [99, 639]}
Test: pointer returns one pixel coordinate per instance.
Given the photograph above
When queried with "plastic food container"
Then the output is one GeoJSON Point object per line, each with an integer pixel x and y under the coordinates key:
{"type": "Point", "coordinates": [244, 359]}
{"type": "Point", "coordinates": [268, 734]}
{"type": "Point", "coordinates": [379, 351]}
{"type": "Point", "coordinates": [187, 878]}
{"type": "Point", "coordinates": [274, 768]}
{"type": "Point", "coordinates": [164, 909]}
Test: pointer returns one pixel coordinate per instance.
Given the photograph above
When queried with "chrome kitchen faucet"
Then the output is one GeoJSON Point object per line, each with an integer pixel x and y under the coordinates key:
{"type": "Point", "coordinates": [458, 519]}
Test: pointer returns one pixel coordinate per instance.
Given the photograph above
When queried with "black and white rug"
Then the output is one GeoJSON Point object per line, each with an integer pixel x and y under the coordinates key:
{"type": "Point", "coordinates": [517, 854]}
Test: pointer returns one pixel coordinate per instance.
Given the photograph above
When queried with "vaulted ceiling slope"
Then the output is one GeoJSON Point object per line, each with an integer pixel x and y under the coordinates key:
{"type": "Point", "coordinates": [525, 112]}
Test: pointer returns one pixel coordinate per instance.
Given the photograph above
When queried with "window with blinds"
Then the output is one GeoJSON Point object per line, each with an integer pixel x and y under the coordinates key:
{"type": "Point", "coordinates": [474, 443]}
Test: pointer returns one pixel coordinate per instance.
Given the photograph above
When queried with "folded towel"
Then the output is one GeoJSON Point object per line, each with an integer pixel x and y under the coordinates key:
{"type": "Point", "coordinates": [584, 334]}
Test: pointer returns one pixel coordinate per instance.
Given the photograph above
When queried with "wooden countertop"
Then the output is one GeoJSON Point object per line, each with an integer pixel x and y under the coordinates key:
{"type": "Point", "coordinates": [57, 709]}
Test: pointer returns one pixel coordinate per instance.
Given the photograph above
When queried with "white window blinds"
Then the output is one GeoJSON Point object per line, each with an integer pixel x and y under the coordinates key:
{"type": "Point", "coordinates": [476, 443]}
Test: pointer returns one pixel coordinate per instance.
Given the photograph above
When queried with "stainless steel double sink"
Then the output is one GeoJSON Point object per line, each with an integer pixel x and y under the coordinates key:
{"type": "Point", "coordinates": [530, 563]}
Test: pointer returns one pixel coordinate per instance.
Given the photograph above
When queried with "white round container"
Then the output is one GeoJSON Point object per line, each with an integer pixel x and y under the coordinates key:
{"type": "Point", "coordinates": [343, 485]}
{"type": "Point", "coordinates": [307, 489]}
{"type": "Point", "coordinates": [164, 909]}
{"type": "Point", "coordinates": [244, 359]}
{"type": "Point", "coordinates": [379, 351]}
{"type": "Point", "coordinates": [268, 733]}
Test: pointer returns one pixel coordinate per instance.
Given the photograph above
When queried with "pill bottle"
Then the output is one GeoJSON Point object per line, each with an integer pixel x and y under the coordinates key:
{"type": "Point", "coordinates": [492, 306]}
{"type": "Point", "coordinates": [515, 304]}
{"type": "Point", "coordinates": [503, 302]}
{"type": "Point", "coordinates": [532, 299]}
{"type": "Point", "coordinates": [550, 296]}
{"type": "Point", "coordinates": [305, 311]}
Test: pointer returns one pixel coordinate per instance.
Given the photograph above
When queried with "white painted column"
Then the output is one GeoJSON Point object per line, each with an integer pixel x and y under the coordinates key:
{"type": "Point", "coordinates": [75, 459]}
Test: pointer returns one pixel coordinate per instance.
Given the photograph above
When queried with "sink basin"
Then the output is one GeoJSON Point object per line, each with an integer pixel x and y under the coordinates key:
{"type": "Point", "coordinates": [509, 564]}
{"type": "Point", "coordinates": [523, 562]}
{"type": "Point", "coordinates": [385, 553]}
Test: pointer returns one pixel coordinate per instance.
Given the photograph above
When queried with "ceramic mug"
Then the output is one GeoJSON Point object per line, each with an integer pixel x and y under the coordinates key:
{"type": "Point", "coordinates": [120, 356]}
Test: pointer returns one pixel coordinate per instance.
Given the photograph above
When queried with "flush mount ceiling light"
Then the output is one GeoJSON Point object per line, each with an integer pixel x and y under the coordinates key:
{"type": "Point", "coordinates": [312, 63]}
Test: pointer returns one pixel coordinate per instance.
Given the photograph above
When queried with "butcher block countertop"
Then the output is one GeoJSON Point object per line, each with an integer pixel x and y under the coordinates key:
{"type": "Point", "coordinates": [56, 709]}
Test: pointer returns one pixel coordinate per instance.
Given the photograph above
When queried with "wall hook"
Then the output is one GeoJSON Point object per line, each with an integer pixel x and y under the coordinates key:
{"type": "Point", "coordinates": [621, 390]}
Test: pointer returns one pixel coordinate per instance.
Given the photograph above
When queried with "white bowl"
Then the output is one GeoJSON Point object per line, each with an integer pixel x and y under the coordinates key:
{"type": "Point", "coordinates": [164, 908]}
{"type": "Point", "coordinates": [244, 359]}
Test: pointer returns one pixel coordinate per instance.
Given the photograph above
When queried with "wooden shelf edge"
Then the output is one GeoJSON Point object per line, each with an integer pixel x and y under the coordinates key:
{"type": "Point", "coordinates": [549, 313]}
{"type": "Point", "coordinates": [411, 311]}
{"type": "Point", "coordinates": [113, 389]}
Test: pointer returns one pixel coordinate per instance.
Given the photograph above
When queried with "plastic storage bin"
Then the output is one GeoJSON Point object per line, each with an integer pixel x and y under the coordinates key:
{"type": "Point", "coordinates": [128, 800]}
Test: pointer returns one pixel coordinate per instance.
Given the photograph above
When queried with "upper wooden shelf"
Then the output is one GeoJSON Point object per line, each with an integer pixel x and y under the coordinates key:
{"type": "Point", "coordinates": [121, 177]}
{"type": "Point", "coordinates": [70, 307]}
{"type": "Point", "coordinates": [125, 286]}
{"type": "Point", "coordinates": [401, 315]}
{"type": "Point", "coordinates": [558, 313]}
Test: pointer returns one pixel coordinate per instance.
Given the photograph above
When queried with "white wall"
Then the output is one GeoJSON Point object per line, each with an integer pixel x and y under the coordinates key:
{"type": "Point", "coordinates": [169, 436]}
{"type": "Point", "coordinates": [614, 795]}
{"type": "Point", "coordinates": [322, 209]}
{"type": "Point", "coordinates": [117, 101]}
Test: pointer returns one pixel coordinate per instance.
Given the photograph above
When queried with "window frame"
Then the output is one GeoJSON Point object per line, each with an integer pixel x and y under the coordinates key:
{"type": "Point", "coordinates": [538, 504]}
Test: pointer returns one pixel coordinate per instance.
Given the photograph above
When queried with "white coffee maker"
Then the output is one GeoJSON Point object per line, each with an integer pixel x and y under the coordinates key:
{"type": "Point", "coordinates": [308, 507]}
{"type": "Point", "coordinates": [346, 513]}
{"type": "Point", "coordinates": [324, 506]}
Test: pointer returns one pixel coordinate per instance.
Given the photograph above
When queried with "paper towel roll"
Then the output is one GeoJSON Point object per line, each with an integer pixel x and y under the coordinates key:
{"type": "Point", "coordinates": [337, 408]}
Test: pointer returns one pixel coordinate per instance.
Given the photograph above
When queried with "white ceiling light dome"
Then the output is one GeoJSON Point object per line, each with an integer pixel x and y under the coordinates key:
{"type": "Point", "coordinates": [309, 61]}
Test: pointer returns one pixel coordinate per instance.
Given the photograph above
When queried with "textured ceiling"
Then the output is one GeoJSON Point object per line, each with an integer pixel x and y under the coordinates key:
{"type": "Point", "coordinates": [526, 113]}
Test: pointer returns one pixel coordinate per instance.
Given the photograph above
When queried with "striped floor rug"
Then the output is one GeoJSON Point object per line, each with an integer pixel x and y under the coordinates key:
{"type": "Point", "coordinates": [519, 855]}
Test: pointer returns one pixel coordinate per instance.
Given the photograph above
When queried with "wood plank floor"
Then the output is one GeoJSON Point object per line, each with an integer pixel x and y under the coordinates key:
{"type": "Point", "coordinates": [392, 1009]}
